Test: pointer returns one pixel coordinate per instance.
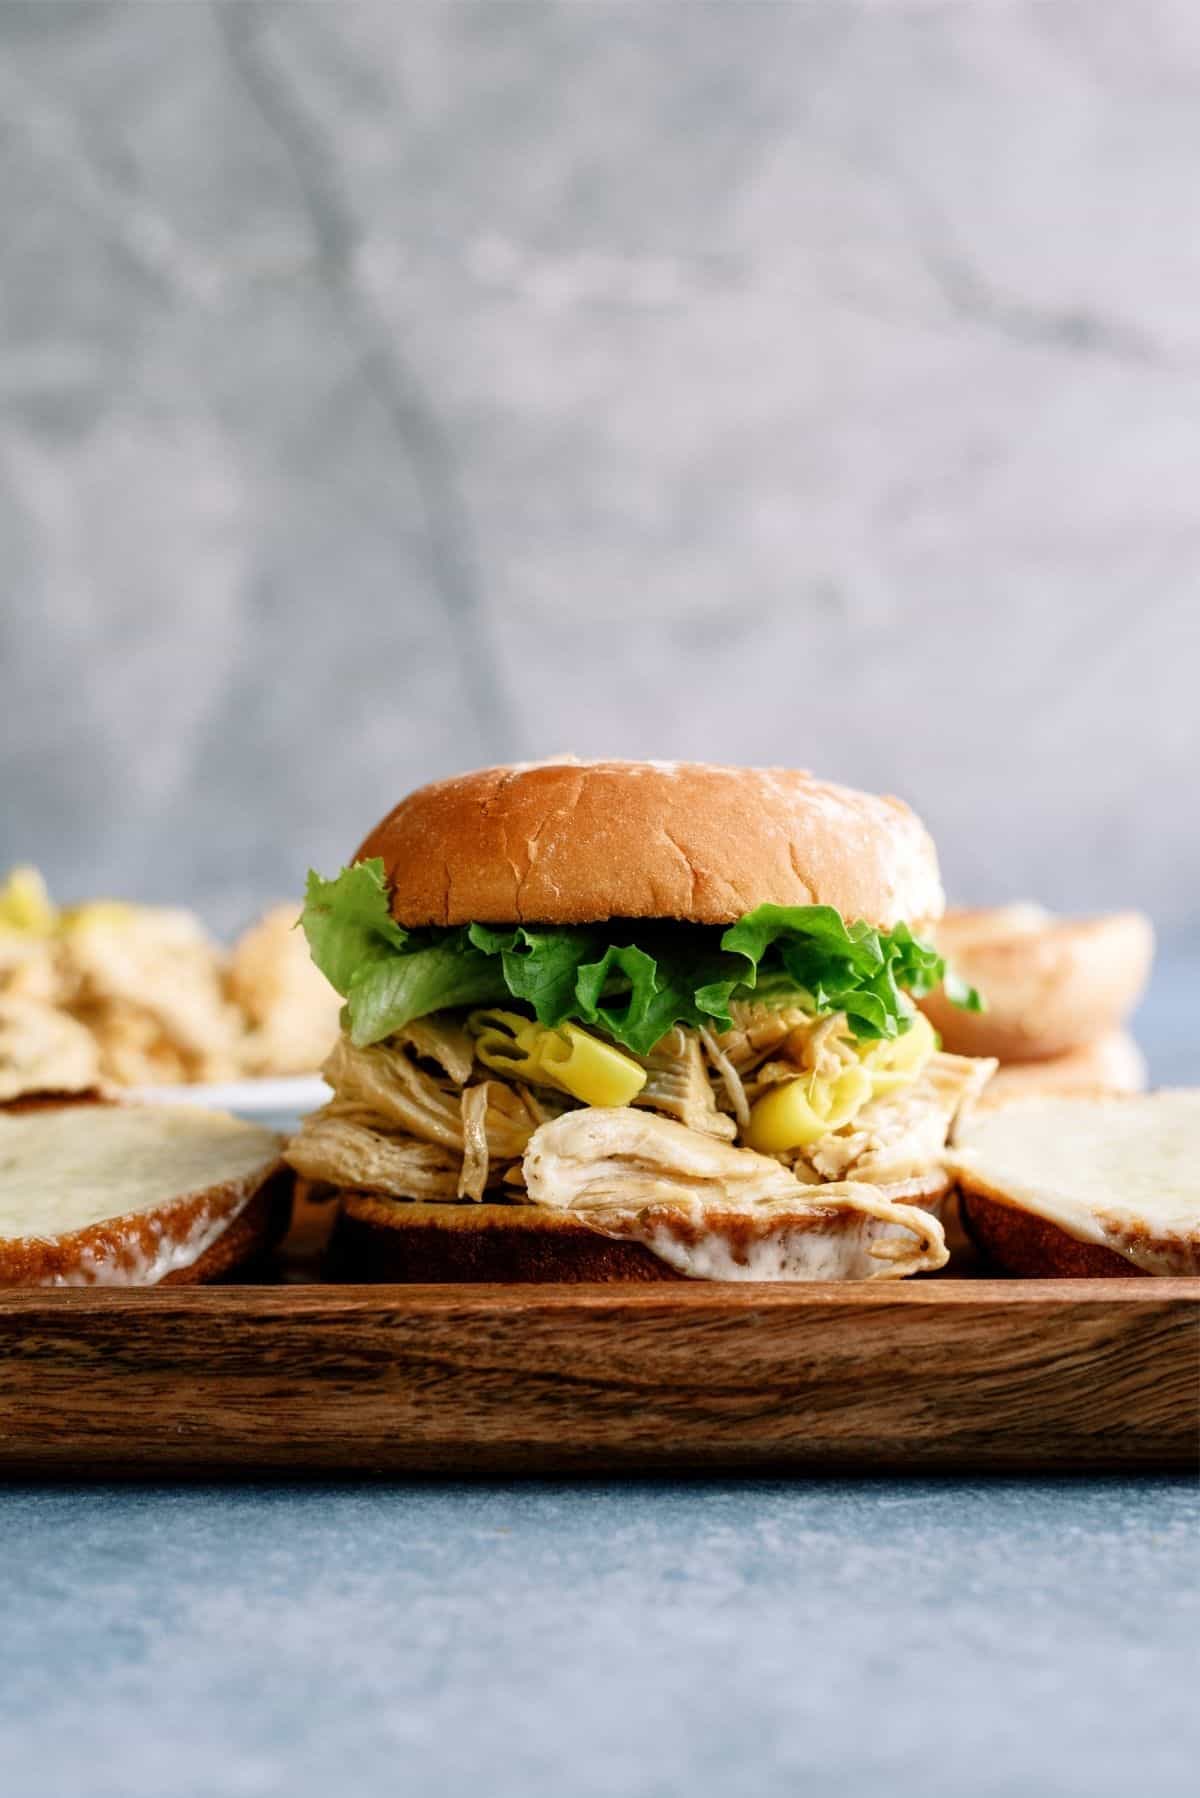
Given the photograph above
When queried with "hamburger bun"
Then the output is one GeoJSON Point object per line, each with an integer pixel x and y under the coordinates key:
{"type": "Point", "coordinates": [1085, 1185]}
{"type": "Point", "coordinates": [383, 1239]}
{"type": "Point", "coordinates": [1115, 1064]}
{"type": "Point", "coordinates": [378, 1239]}
{"type": "Point", "coordinates": [1051, 985]}
{"type": "Point", "coordinates": [570, 842]}
{"type": "Point", "coordinates": [94, 1193]}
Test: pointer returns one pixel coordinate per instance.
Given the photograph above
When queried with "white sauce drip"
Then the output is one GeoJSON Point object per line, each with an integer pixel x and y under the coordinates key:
{"type": "Point", "coordinates": [839, 1250]}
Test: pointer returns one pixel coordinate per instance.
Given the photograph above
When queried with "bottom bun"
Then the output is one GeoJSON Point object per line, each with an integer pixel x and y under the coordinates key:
{"type": "Point", "coordinates": [377, 1239]}
{"type": "Point", "coordinates": [1020, 1243]}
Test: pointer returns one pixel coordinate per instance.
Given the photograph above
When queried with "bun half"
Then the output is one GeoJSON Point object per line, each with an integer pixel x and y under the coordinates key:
{"type": "Point", "coordinates": [1051, 984]}
{"type": "Point", "coordinates": [95, 1193]}
{"type": "Point", "coordinates": [1074, 1184]}
{"type": "Point", "coordinates": [578, 842]}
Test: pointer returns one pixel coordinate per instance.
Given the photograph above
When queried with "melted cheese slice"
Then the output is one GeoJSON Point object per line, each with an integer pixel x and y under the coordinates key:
{"type": "Point", "coordinates": [67, 1170]}
{"type": "Point", "coordinates": [1123, 1173]}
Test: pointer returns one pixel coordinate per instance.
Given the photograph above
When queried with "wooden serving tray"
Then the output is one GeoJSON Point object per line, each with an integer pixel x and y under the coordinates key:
{"type": "Point", "coordinates": [962, 1375]}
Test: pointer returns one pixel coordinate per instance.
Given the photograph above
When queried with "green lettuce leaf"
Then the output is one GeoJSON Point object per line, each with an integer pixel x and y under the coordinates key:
{"type": "Point", "coordinates": [349, 924]}
{"type": "Point", "coordinates": [540, 966]}
{"type": "Point", "coordinates": [636, 997]}
{"type": "Point", "coordinates": [631, 979]}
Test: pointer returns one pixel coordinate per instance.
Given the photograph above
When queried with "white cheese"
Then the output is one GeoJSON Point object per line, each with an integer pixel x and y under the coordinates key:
{"type": "Point", "coordinates": [67, 1170]}
{"type": "Point", "coordinates": [1121, 1172]}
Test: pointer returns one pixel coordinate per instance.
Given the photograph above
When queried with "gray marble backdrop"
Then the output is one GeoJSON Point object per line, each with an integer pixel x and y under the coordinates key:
{"type": "Point", "coordinates": [389, 388]}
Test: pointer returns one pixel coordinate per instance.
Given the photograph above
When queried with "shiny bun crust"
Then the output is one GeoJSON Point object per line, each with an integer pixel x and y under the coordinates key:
{"type": "Point", "coordinates": [1052, 985]}
{"type": "Point", "coordinates": [577, 842]}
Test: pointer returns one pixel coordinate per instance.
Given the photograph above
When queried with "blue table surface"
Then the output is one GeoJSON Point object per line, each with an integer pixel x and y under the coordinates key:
{"type": "Point", "coordinates": [638, 1637]}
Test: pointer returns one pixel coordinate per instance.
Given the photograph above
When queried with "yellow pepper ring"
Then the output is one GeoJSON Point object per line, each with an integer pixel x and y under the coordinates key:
{"type": "Point", "coordinates": [25, 905]}
{"type": "Point", "coordinates": [568, 1058]}
{"type": "Point", "coordinates": [798, 1112]}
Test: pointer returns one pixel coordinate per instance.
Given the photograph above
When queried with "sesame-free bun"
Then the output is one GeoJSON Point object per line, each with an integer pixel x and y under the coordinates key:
{"type": "Point", "coordinates": [1084, 1183]}
{"type": "Point", "coordinates": [95, 1193]}
{"type": "Point", "coordinates": [377, 1238]}
{"type": "Point", "coordinates": [1050, 984]}
{"type": "Point", "coordinates": [571, 842]}
{"type": "Point", "coordinates": [1115, 1064]}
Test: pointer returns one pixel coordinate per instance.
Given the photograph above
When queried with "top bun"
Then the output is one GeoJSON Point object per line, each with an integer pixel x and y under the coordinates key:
{"type": "Point", "coordinates": [569, 842]}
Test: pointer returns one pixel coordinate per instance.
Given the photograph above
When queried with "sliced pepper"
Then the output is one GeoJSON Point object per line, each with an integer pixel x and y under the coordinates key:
{"type": "Point", "coordinates": [568, 1058]}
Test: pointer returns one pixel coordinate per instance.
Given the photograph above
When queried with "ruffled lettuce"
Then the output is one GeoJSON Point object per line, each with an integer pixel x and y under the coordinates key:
{"type": "Point", "coordinates": [631, 979]}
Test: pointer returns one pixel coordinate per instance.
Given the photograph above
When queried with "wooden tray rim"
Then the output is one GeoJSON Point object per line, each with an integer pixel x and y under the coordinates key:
{"type": "Point", "coordinates": [317, 1297]}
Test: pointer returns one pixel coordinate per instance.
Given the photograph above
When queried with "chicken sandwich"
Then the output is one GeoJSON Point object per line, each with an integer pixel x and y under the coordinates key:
{"type": "Point", "coordinates": [636, 1020]}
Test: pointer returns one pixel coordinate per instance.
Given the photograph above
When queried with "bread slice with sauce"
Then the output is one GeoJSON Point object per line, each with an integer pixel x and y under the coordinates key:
{"type": "Point", "coordinates": [94, 1193]}
{"type": "Point", "coordinates": [1084, 1185]}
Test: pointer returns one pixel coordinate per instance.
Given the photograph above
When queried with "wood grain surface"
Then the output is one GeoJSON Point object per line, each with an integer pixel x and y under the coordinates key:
{"type": "Point", "coordinates": [940, 1374]}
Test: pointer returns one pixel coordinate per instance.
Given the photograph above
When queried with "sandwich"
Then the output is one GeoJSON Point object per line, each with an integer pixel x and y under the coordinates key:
{"type": "Point", "coordinates": [1053, 985]}
{"type": "Point", "coordinates": [94, 1193]}
{"type": "Point", "coordinates": [635, 1020]}
{"type": "Point", "coordinates": [1084, 1186]}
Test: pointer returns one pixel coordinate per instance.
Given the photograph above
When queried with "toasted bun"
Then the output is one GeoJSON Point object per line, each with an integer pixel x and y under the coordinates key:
{"type": "Point", "coordinates": [1115, 1064]}
{"type": "Point", "coordinates": [96, 1193]}
{"type": "Point", "coordinates": [382, 1239]}
{"type": "Point", "coordinates": [1051, 984]}
{"type": "Point", "coordinates": [1076, 1183]}
{"type": "Point", "coordinates": [1028, 1246]}
{"type": "Point", "coordinates": [378, 1239]}
{"type": "Point", "coordinates": [576, 842]}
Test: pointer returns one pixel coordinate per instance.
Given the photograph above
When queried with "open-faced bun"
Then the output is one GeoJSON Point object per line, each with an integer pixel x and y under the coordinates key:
{"type": "Point", "coordinates": [100, 1194]}
{"type": "Point", "coordinates": [1084, 1184]}
{"type": "Point", "coordinates": [1115, 1064]}
{"type": "Point", "coordinates": [570, 842]}
{"type": "Point", "coordinates": [1050, 984]}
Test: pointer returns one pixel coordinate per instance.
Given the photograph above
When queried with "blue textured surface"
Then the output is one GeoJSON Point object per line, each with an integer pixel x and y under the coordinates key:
{"type": "Point", "coordinates": [634, 1639]}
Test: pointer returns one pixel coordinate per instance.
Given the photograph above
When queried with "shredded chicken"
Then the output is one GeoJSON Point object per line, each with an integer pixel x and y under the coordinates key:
{"type": "Point", "coordinates": [387, 1084]}
{"type": "Point", "coordinates": [824, 1048]}
{"type": "Point", "coordinates": [735, 1092]}
{"type": "Point", "coordinates": [43, 1050]}
{"type": "Point", "coordinates": [438, 1039]}
{"type": "Point", "coordinates": [758, 1030]}
{"type": "Point", "coordinates": [896, 1137]}
{"type": "Point", "coordinates": [156, 990]}
{"type": "Point", "coordinates": [344, 1152]}
{"type": "Point", "coordinates": [677, 1084]}
{"type": "Point", "coordinates": [290, 1009]}
{"type": "Point", "coordinates": [716, 1212]}
{"type": "Point", "coordinates": [474, 1175]}
{"type": "Point", "coordinates": [619, 1155]}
